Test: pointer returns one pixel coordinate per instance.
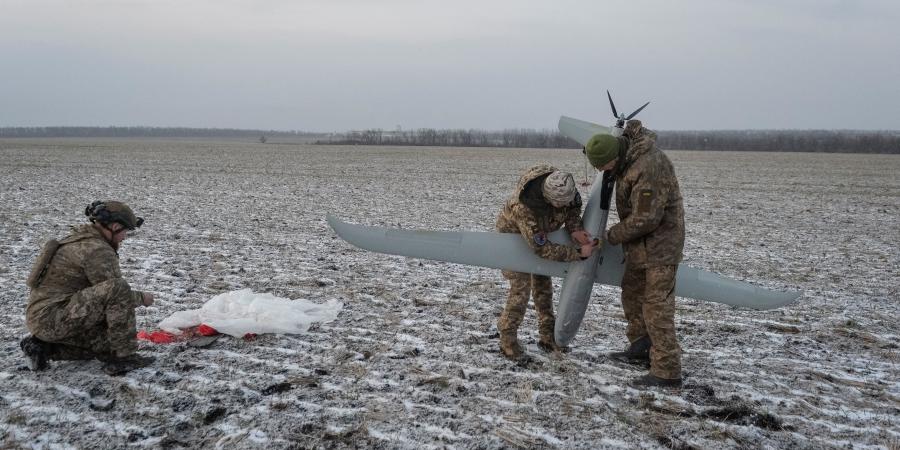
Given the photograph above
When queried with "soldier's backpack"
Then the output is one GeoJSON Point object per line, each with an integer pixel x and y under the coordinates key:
{"type": "Point", "coordinates": [42, 263]}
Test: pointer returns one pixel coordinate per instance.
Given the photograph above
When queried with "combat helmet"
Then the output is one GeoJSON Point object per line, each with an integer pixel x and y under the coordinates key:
{"type": "Point", "coordinates": [107, 212]}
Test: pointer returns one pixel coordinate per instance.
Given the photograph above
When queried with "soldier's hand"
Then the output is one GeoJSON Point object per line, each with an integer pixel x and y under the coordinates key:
{"type": "Point", "coordinates": [587, 249]}
{"type": "Point", "coordinates": [148, 299]}
{"type": "Point", "coordinates": [582, 237]}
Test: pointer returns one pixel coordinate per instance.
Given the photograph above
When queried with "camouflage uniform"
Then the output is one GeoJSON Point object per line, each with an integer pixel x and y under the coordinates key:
{"type": "Point", "coordinates": [82, 305]}
{"type": "Point", "coordinates": [528, 214]}
{"type": "Point", "coordinates": [651, 231]}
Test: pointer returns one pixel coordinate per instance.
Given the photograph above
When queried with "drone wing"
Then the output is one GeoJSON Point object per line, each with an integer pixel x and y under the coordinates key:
{"type": "Point", "coordinates": [506, 251]}
{"type": "Point", "coordinates": [580, 130]}
{"type": "Point", "coordinates": [509, 251]}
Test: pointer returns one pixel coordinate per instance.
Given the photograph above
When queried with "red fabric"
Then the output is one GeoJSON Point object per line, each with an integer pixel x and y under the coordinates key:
{"type": "Point", "coordinates": [163, 337]}
{"type": "Point", "coordinates": [206, 330]}
{"type": "Point", "coordinates": [157, 337]}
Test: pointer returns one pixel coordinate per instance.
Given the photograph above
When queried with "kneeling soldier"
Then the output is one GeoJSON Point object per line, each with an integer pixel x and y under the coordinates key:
{"type": "Point", "coordinates": [80, 307]}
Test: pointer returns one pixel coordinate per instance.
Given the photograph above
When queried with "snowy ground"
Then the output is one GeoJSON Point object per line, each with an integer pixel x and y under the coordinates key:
{"type": "Point", "coordinates": [412, 361]}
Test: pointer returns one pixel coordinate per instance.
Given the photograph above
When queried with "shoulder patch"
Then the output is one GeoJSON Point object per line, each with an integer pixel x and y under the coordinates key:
{"type": "Point", "coordinates": [645, 201]}
{"type": "Point", "coordinates": [540, 238]}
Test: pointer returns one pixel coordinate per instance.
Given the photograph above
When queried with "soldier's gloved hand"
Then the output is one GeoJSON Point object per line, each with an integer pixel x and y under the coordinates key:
{"type": "Point", "coordinates": [587, 249]}
{"type": "Point", "coordinates": [633, 128]}
{"type": "Point", "coordinates": [605, 237]}
{"type": "Point", "coordinates": [148, 299]}
{"type": "Point", "coordinates": [582, 237]}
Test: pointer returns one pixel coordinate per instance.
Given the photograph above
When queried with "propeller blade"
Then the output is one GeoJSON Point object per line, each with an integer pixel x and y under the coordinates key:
{"type": "Point", "coordinates": [612, 105]}
{"type": "Point", "coordinates": [638, 110]}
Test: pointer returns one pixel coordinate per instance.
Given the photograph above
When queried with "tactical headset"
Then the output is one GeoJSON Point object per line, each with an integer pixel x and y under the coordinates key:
{"type": "Point", "coordinates": [98, 211]}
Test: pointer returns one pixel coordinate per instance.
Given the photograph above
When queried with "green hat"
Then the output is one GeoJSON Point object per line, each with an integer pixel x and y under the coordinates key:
{"type": "Point", "coordinates": [601, 149]}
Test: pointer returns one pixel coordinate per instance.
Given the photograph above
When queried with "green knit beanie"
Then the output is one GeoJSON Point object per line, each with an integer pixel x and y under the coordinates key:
{"type": "Point", "coordinates": [601, 149]}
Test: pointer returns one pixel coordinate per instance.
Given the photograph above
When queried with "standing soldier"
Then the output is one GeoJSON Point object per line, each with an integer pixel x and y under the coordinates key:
{"type": "Point", "coordinates": [651, 230]}
{"type": "Point", "coordinates": [544, 200]}
{"type": "Point", "coordinates": [80, 307]}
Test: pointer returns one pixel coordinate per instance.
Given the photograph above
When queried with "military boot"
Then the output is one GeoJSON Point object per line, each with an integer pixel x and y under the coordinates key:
{"type": "Point", "coordinates": [124, 364]}
{"type": "Point", "coordinates": [547, 341]}
{"type": "Point", "coordinates": [35, 353]}
{"type": "Point", "coordinates": [650, 380]}
{"type": "Point", "coordinates": [510, 347]}
{"type": "Point", "coordinates": [638, 352]}
{"type": "Point", "coordinates": [548, 344]}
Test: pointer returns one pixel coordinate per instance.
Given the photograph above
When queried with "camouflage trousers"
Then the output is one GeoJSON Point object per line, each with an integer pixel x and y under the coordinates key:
{"type": "Point", "coordinates": [648, 300]}
{"type": "Point", "coordinates": [521, 286]}
{"type": "Point", "coordinates": [96, 321]}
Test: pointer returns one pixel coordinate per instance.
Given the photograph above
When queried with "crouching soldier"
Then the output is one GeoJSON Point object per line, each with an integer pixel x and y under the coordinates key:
{"type": "Point", "coordinates": [544, 200]}
{"type": "Point", "coordinates": [80, 307]}
{"type": "Point", "coordinates": [651, 231]}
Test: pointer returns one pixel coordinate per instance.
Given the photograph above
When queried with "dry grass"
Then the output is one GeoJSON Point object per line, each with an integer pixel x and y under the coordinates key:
{"type": "Point", "coordinates": [218, 219]}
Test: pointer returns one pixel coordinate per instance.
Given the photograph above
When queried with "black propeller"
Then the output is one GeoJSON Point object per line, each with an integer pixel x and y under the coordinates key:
{"type": "Point", "coordinates": [620, 119]}
{"type": "Point", "coordinates": [612, 105]}
{"type": "Point", "coordinates": [637, 111]}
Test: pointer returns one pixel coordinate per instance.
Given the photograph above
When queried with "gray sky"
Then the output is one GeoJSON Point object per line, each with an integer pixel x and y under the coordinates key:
{"type": "Point", "coordinates": [324, 65]}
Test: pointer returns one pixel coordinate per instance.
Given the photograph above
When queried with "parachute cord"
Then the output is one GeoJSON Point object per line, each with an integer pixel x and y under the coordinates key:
{"type": "Point", "coordinates": [586, 169]}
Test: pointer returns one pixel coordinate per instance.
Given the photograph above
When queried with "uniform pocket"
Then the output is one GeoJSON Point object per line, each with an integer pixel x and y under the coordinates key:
{"type": "Point", "coordinates": [78, 308]}
{"type": "Point", "coordinates": [636, 253]}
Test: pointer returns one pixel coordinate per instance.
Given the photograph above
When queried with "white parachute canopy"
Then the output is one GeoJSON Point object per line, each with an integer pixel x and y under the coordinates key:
{"type": "Point", "coordinates": [237, 313]}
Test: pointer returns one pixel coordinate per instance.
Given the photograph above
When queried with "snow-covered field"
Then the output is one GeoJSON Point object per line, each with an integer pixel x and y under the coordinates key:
{"type": "Point", "coordinates": [412, 360]}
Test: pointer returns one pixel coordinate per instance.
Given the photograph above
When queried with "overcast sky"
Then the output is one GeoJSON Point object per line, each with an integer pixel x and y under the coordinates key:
{"type": "Point", "coordinates": [324, 65]}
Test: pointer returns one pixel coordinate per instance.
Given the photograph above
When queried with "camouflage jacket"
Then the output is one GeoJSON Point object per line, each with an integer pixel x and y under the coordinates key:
{"type": "Point", "coordinates": [83, 259]}
{"type": "Point", "coordinates": [649, 203]}
{"type": "Point", "coordinates": [527, 213]}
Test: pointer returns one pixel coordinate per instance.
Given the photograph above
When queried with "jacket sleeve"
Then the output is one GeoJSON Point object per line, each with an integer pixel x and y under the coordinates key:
{"type": "Point", "coordinates": [542, 247]}
{"type": "Point", "coordinates": [649, 200]}
{"type": "Point", "coordinates": [101, 264]}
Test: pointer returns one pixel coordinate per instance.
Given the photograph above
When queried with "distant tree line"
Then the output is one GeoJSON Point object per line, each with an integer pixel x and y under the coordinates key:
{"type": "Point", "coordinates": [831, 141]}
{"type": "Point", "coordinates": [822, 141]}
{"type": "Point", "coordinates": [123, 132]}
{"type": "Point", "coordinates": [819, 141]}
{"type": "Point", "coordinates": [518, 138]}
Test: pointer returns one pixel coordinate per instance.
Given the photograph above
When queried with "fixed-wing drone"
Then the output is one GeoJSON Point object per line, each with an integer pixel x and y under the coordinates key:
{"type": "Point", "coordinates": [508, 251]}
